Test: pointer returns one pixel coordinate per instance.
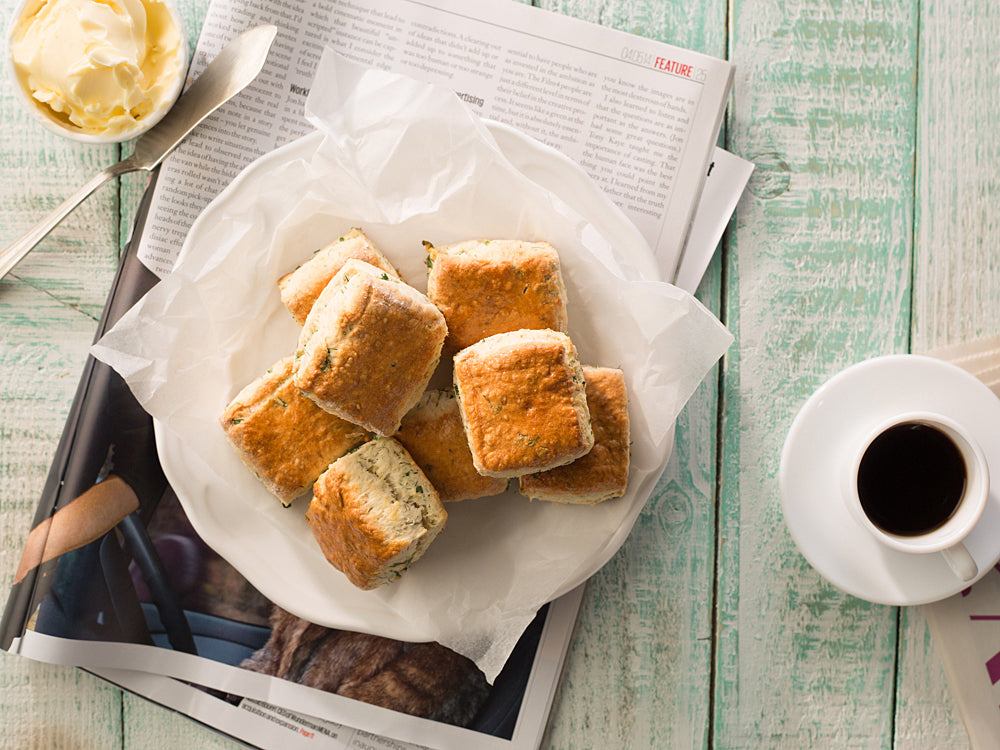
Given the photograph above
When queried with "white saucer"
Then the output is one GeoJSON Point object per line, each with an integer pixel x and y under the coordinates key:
{"type": "Point", "coordinates": [817, 447]}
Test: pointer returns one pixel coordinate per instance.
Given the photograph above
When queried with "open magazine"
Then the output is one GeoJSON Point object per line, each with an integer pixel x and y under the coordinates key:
{"type": "Point", "coordinates": [135, 596]}
{"type": "Point", "coordinates": [114, 579]}
{"type": "Point", "coordinates": [639, 116]}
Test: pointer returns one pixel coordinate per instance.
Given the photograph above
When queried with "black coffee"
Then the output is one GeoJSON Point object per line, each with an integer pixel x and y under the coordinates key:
{"type": "Point", "coordinates": [911, 479]}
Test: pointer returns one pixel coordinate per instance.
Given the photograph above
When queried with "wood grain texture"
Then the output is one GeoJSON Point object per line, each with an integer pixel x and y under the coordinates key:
{"type": "Point", "coordinates": [926, 715]}
{"type": "Point", "coordinates": [47, 706]}
{"type": "Point", "coordinates": [818, 278]}
{"type": "Point", "coordinates": [870, 227]}
{"type": "Point", "coordinates": [49, 307]}
{"type": "Point", "coordinates": [957, 263]}
{"type": "Point", "coordinates": [956, 267]}
{"type": "Point", "coordinates": [40, 170]}
{"type": "Point", "coordinates": [646, 622]}
{"type": "Point", "coordinates": [43, 344]}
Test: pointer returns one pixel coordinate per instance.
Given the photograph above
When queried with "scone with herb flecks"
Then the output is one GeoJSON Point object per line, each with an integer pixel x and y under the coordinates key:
{"type": "Point", "coordinates": [602, 473]}
{"type": "Point", "coordinates": [300, 288]}
{"type": "Point", "coordinates": [283, 437]}
{"type": "Point", "coordinates": [523, 402]}
{"type": "Point", "coordinates": [374, 513]}
{"type": "Point", "coordinates": [485, 287]}
{"type": "Point", "coordinates": [432, 433]}
{"type": "Point", "coordinates": [369, 347]}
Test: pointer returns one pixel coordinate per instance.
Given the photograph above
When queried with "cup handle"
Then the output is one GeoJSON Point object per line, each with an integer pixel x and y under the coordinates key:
{"type": "Point", "coordinates": [960, 561]}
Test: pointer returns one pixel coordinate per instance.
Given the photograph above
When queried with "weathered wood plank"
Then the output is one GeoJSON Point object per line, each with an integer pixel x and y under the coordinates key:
{"type": "Point", "coordinates": [50, 706]}
{"type": "Point", "coordinates": [40, 170]}
{"type": "Point", "coordinates": [925, 710]}
{"type": "Point", "coordinates": [43, 706]}
{"type": "Point", "coordinates": [49, 308]}
{"type": "Point", "coordinates": [818, 278]}
{"type": "Point", "coordinates": [956, 269]}
{"type": "Point", "coordinates": [957, 266]}
{"type": "Point", "coordinates": [646, 623]}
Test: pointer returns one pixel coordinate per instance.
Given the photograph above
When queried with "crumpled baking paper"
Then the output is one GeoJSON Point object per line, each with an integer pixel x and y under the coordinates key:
{"type": "Point", "coordinates": [406, 162]}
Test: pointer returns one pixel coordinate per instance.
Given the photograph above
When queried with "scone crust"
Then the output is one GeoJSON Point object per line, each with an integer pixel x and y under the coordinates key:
{"type": "Point", "coordinates": [282, 436]}
{"type": "Point", "coordinates": [602, 474]}
{"type": "Point", "coordinates": [523, 402]}
{"type": "Point", "coordinates": [368, 347]}
{"type": "Point", "coordinates": [433, 435]}
{"type": "Point", "coordinates": [374, 513]}
{"type": "Point", "coordinates": [485, 287]}
{"type": "Point", "coordinates": [300, 288]}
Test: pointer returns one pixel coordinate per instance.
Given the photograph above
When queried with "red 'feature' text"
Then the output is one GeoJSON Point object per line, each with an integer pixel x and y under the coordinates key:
{"type": "Point", "coordinates": [672, 66]}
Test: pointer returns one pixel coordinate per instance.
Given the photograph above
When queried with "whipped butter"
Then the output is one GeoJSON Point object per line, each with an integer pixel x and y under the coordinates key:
{"type": "Point", "coordinates": [99, 67]}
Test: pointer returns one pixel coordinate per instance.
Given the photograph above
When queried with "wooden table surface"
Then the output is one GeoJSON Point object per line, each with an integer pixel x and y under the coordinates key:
{"type": "Point", "coordinates": [871, 226]}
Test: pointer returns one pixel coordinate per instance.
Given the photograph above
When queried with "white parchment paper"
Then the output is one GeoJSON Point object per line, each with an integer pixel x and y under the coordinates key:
{"type": "Point", "coordinates": [406, 162]}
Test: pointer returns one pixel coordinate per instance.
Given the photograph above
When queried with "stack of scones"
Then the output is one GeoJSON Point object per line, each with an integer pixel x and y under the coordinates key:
{"type": "Point", "coordinates": [350, 415]}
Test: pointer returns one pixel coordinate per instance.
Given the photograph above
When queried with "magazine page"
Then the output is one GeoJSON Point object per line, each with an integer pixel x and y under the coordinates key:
{"type": "Point", "coordinates": [641, 117]}
{"type": "Point", "coordinates": [150, 597]}
{"type": "Point", "coordinates": [112, 578]}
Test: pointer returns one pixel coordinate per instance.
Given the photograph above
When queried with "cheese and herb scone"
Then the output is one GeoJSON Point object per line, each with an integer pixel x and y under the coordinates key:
{"type": "Point", "coordinates": [300, 288]}
{"type": "Point", "coordinates": [374, 513]}
{"type": "Point", "coordinates": [433, 435]}
{"type": "Point", "coordinates": [523, 402]}
{"type": "Point", "coordinates": [602, 473]}
{"type": "Point", "coordinates": [282, 436]}
{"type": "Point", "coordinates": [369, 347]}
{"type": "Point", "coordinates": [485, 287]}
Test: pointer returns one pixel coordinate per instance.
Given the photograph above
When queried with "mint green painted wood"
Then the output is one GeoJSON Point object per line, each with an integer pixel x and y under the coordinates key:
{"type": "Point", "coordinates": [43, 343]}
{"type": "Point", "coordinates": [875, 130]}
{"type": "Point", "coordinates": [956, 250]}
{"type": "Point", "coordinates": [48, 309]}
{"type": "Point", "coordinates": [646, 621]}
{"type": "Point", "coordinates": [957, 237]}
{"type": "Point", "coordinates": [818, 272]}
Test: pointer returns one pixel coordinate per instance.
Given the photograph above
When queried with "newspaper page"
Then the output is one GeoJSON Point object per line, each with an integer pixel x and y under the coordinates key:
{"type": "Point", "coordinates": [641, 117]}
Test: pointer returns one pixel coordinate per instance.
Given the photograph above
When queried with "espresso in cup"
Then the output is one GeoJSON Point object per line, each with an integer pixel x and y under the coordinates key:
{"type": "Point", "coordinates": [911, 479]}
{"type": "Point", "coordinates": [919, 483]}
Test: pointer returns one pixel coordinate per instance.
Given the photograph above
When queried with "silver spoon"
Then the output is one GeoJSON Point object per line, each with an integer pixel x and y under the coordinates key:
{"type": "Point", "coordinates": [230, 72]}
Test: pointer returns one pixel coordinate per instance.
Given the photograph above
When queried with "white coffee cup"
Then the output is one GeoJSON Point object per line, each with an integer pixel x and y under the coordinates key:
{"type": "Point", "coordinates": [905, 475]}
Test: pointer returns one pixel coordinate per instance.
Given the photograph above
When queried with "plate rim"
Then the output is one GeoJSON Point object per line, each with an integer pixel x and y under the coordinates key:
{"type": "Point", "coordinates": [586, 570]}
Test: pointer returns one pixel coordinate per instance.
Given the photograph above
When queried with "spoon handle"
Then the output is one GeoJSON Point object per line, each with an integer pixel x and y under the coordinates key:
{"type": "Point", "coordinates": [11, 254]}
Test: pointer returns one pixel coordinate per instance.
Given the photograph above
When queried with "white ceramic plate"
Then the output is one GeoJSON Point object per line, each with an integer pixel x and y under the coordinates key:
{"type": "Point", "coordinates": [273, 546]}
{"type": "Point", "coordinates": [812, 465]}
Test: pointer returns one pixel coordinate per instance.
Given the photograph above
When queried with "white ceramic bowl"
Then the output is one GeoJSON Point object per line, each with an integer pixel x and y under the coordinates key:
{"type": "Point", "coordinates": [62, 127]}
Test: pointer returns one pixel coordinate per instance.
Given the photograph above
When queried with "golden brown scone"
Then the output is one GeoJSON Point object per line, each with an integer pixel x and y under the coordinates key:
{"type": "Point", "coordinates": [432, 434]}
{"type": "Point", "coordinates": [603, 473]}
{"type": "Point", "coordinates": [369, 347]}
{"type": "Point", "coordinates": [283, 437]}
{"type": "Point", "coordinates": [374, 513]}
{"type": "Point", "coordinates": [300, 288]}
{"type": "Point", "coordinates": [485, 287]}
{"type": "Point", "coordinates": [523, 402]}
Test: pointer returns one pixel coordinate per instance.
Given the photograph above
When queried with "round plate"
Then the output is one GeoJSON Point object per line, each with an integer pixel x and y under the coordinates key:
{"type": "Point", "coordinates": [812, 466]}
{"type": "Point", "coordinates": [489, 540]}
